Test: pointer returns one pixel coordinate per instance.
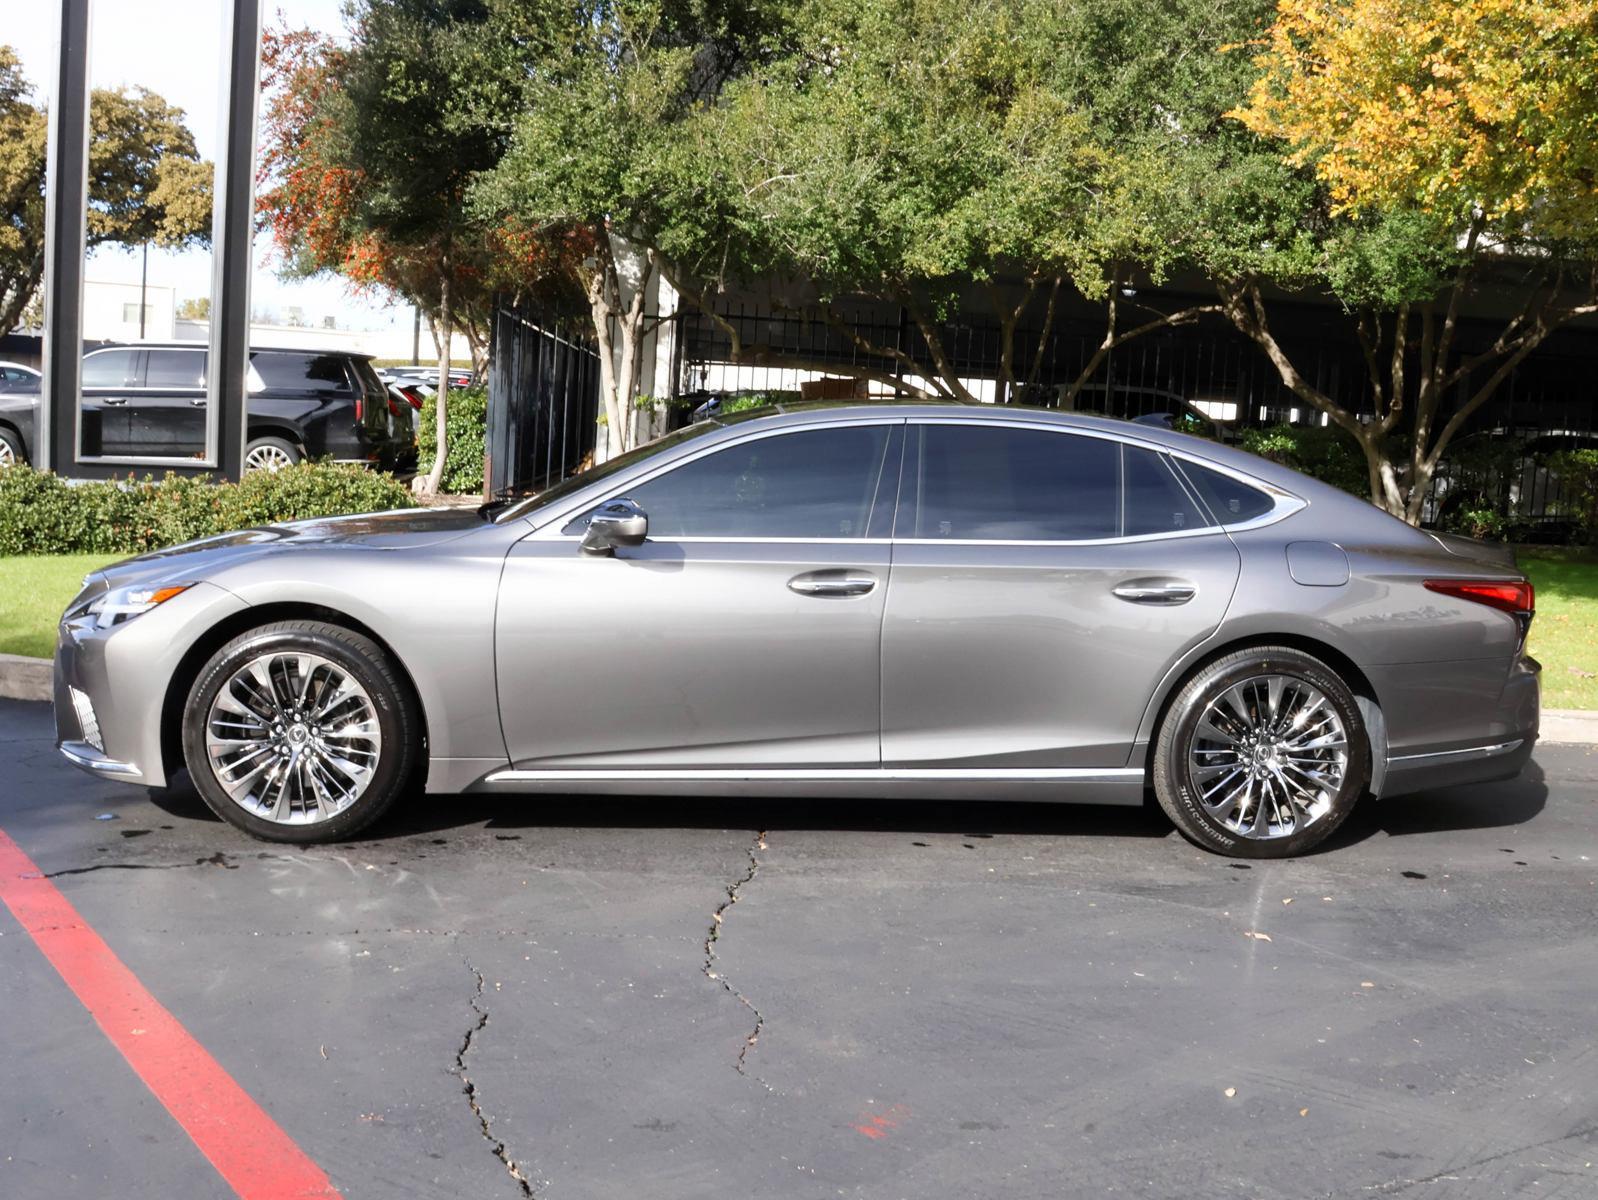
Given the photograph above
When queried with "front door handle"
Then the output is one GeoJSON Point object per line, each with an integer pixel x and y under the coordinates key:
{"type": "Point", "coordinates": [114, 402]}
{"type": "Point", "coordinates": [839, 582]}
{"type": "Point", "coordinates": [1156, 591]}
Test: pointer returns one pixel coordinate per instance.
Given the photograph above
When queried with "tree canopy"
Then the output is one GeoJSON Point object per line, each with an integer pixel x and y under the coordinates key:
{"type": "Point", "coordinates": [147, 182]}
{"type": "Point", "coordinates": [1419, 150]}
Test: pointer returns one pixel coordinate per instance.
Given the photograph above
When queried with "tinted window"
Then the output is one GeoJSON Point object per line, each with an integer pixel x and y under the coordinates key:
{"type": "Point", "coordinates": [175, 368]}
{"type": "Point", "coordinates": [1155, 501]}
{"type": "Point", "coordinates": [301, 372]}
{"type": "Point", "coordinates": [816, 484]}
{"type": "Point", "coordinates": [993, 483]}
{"type": "Point", "coordinates": [108, 368]}
{"type": "Point", "coordinates": [1230, 500]}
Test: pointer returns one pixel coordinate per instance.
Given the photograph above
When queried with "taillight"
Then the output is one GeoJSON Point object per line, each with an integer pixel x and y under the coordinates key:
{"type": "Point", "coordinates": [1517, 598]}
{"type": "Point", "coordinates": [393, 407]}
{"type": "Point", "coordinates": [360, 407]}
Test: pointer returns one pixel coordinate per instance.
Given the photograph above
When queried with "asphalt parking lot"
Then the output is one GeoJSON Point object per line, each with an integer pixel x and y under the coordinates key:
{"type": "Point", "coordinates": [613, 998]}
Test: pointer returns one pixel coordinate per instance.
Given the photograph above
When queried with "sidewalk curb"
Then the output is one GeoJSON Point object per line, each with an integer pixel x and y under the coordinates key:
{"type": "Point", "coordinates": [25, 678]}
{"type": "Point", "coordinates": [31, 679]}
{"type": "Point", "coordinates": [1569, 727]}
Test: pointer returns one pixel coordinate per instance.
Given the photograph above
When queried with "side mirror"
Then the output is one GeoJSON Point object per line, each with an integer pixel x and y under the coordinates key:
{"type": "Point", "coordinates": [615, 523]}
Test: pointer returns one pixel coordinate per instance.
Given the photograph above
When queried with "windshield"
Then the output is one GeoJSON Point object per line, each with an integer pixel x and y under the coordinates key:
{"type": "Point", "coordinates": [606, 469]}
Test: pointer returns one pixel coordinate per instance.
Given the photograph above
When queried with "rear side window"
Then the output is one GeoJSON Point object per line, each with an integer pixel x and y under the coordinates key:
{"type": "Point", "coordinates": [1156, 501]}
{"type": "Point", "coordinates": [301, 372]}
{"type": "Point", "coordinates": [1231, 500]}
{"type": "Point", "coordinates": [991, 483]}
{"type": "Point", "coordinates": [108, 368]}
{"type": "Point", "coordinates": [175, 368]}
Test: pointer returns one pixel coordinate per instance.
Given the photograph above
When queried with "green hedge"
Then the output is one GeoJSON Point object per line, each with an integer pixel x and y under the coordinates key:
{"type": "Point", "coordinates": [41, 513]}
{"type": "Point", "coordinates": [468, 439]}
{"type": "Point", "coordinates": [1323, 452]}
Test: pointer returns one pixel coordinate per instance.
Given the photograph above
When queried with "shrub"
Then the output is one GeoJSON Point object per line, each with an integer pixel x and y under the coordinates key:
{"type": "Point", "coordinates": [1578, 471]}
{"type": "Point", "coordinates": [468, 439]}
{"type": "Point", "coordinates": [1324, 452]}
{"type": "Point", "coordinates": [42, 513]}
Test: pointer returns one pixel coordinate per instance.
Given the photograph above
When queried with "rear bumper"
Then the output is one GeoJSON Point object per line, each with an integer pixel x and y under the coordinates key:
{"type": "Point", "coordinates": [1490, 739]}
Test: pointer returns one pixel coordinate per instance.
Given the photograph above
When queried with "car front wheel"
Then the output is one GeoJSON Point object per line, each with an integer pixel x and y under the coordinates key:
{"type": "Point", "coordinates": [300, 731]}
{"type": "Point", "coordinates": [1262, 754]}
{"type": "Point", "coordinates": [11, 449]}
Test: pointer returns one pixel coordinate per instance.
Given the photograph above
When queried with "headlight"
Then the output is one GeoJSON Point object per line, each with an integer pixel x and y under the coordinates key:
{"type": "Point", "coordinates": [123, 604]}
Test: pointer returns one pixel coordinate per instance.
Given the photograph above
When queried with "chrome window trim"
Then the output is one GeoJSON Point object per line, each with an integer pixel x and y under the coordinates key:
{"type": "Point", "coordinates": [1284, 503]}
{"type": "Point", "coordinates": [550, 530]}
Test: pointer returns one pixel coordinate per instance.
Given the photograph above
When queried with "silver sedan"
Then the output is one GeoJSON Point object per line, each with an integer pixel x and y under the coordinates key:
{"type": "Point", "coordinates": [868, 601]}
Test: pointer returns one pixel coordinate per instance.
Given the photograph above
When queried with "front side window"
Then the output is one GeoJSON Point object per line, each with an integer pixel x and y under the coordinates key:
{"type": "Point", "coordinates": [996, 483]}
{"type": "Point", "coordinates": [818, 483]}
{"type": "Point", "coordinates": [108, 368]}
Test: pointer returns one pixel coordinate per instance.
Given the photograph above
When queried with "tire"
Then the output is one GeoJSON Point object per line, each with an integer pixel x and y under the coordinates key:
{"type": "Point", "coordinates": [270, 454]}
{"type": "Point", "coordinates": [12, 451]}
{"type": "Point", "coordinates": [1226, 760]}
{"type": "Point", "coordinates": [315, 772]}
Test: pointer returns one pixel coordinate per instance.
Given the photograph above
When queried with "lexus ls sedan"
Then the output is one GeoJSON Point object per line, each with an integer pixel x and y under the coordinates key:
{"type": "Point", "coordinates": [843, 600]}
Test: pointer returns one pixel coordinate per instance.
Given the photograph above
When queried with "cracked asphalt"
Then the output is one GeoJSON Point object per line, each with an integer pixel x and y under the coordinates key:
{"type": "Point", "coordinates": [580, 997]}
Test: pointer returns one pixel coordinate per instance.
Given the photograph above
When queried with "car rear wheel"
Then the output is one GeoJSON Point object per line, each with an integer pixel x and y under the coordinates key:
{"type": "Point", "coordinates": [1262, 754]}
{"type": "Point", "coordinates": [11, 449]}
{"type": "Point", "coordinates": [300, 731]}
{"type": "Point", "coordinates": [270, 454]}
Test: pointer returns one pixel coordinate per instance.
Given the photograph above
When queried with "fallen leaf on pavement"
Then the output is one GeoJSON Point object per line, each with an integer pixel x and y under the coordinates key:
{"type": "Point", "coordinates": [1258, 937]}
{"type": "Point", "coordinates": [1229, 1093]}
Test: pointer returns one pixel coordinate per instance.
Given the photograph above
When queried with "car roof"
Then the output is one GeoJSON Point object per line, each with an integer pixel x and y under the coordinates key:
{"type": "Point", "coordinates": [6, 362]}
{"type": "Point", "coordinates": [812, 411]}
{"type": "Point", "coordinates": [202, 346]}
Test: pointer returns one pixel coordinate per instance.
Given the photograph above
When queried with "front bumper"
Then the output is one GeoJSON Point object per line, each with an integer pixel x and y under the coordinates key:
{"type": "Point", "coordinates": [111, 684]}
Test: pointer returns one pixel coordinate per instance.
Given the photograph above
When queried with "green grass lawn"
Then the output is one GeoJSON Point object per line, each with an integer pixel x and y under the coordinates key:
{"type": "Point", "coordinates": [34, 591]}
{"type": "Point", "coordinates": [1564, 637]}
{"type": "Point", "coordinates": [1564, 634]}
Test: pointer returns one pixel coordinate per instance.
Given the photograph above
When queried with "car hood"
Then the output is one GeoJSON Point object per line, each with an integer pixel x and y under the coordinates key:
{"type": "Point", "coordinates": [398, 530]}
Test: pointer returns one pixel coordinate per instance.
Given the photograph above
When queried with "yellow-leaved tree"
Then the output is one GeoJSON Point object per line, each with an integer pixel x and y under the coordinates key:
{"type": "Point", "coordinates": [1446, 142]}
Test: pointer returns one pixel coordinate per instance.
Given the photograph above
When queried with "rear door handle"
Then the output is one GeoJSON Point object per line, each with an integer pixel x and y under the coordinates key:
{"type": "Point", "coordinates": [837, 582]}
{"type": "Point", "coordinates": [113, 401]}
{"type": "Point", "coordinates": [1156, 591]}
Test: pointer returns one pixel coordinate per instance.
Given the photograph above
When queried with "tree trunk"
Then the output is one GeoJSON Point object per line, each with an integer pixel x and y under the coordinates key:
{"type": "Point", "coordinates": [1401, 488]}
{"type": "Point", "coordinates": [446, 332]}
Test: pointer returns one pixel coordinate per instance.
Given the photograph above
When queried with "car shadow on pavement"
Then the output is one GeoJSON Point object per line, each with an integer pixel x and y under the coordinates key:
{"type": "Point", "coordinates": [1486, 806]}
{"type": "Point", "coordinates": [1479, 806]}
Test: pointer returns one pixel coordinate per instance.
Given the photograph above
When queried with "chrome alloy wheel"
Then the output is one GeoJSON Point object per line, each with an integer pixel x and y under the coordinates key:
{"type": "Point", "coordinates": [293, 738]}
{"type": "Point", "coordinates": [8, 456]}
{"type": "Point", "coordinates": [1269, 756]}
{"type": "Point", "coordinates": [267, 458]}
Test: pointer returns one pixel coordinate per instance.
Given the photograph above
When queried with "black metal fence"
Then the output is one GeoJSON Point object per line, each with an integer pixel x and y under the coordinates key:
{"type": "Point", "coordinates": [543, 402]}
{"type": "Point", "coordinates": [1506, 456]}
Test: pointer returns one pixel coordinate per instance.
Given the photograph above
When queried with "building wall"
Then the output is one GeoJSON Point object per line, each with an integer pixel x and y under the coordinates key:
{"type": "Point", "coordinates": [111, 312]}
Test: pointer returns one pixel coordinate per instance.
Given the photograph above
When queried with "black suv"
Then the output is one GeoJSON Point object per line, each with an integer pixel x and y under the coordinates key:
{"type": "Point", "coordinates": [149, 400]}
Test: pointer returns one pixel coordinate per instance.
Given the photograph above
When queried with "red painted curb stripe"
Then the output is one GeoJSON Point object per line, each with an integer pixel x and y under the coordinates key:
{"type": "Point", "coordinates": [256, 1158]}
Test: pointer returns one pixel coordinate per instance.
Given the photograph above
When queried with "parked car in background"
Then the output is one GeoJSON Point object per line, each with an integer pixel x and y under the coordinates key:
{"type": "Point", "coordinates": [915, 601]}
{"type": "Point", "coordinates": [459, 377]}
{"type": "Point", "coordinates": [149, 400]}
{"type": "Point", "coordinates": [15, 380]}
